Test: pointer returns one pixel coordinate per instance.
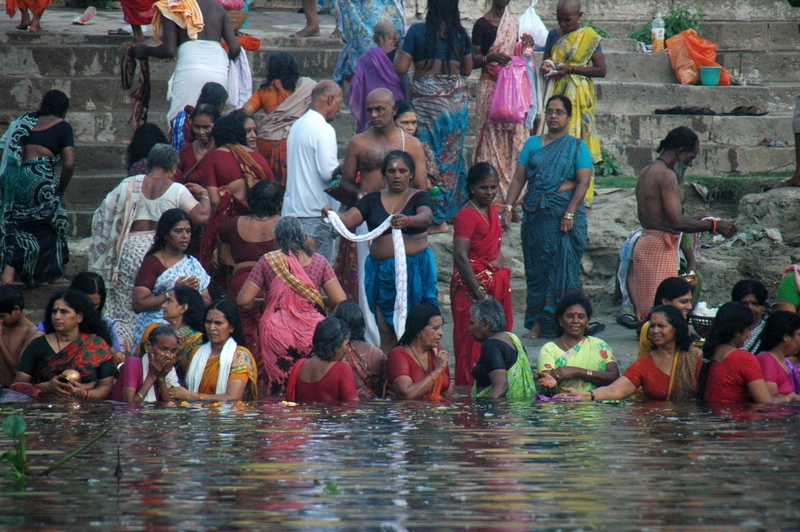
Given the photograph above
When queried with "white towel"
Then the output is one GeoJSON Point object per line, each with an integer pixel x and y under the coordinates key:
{"type": "Point", "coordinates": [198, 365]}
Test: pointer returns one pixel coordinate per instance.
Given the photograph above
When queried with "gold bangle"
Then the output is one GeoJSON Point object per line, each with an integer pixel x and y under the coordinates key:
{"type": "Point", "coordinates": [200, 397]}
{"type": "Point", "coordinates": [508, 208]}
{"type": "Point", "coordinates": [140, 396]}
{"type": "Point", "coordinates": [569, 215]}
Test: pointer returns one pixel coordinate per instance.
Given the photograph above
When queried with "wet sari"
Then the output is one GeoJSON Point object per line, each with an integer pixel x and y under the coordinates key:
{"type": "Point", "coordinates": [485, 244]}
{"type": "Point", "coordinates": [85, 355]}
{"type": "Point", "coordinates": [520, 377]}
{"type": "Point", "coordinates": [33, 218]}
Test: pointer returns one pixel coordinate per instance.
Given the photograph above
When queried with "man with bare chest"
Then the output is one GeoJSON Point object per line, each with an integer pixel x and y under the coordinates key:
{"type": "Point", "coordinates": [659, 201]}
{"type": "Point", "coordinates": [364, 159]}
{"type": "Point", "coordinates": [18, 331]}
{"type": "Point", "coordinates": [366, 151]}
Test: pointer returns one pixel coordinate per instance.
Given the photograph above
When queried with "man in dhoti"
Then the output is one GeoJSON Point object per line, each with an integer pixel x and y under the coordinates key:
{"type": "Point", "coordinates": [660, 205]}
{"type": "Point", "coordinates": [192, 30]}
{"type": "Point", "coordinates": [363, 159]}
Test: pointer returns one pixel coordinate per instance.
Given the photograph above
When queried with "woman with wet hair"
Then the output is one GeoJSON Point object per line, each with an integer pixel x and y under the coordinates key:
{"type": "Point", "coordinates": [729, 374]}
{"type": "Point", "coordinates": [753, 295]}
{"type": "Point", "coordinates": [367, 362]}
{"type": "Point", "coordinates": [324, 376]}
{"type": "Point", "coordinates": [779, 341]}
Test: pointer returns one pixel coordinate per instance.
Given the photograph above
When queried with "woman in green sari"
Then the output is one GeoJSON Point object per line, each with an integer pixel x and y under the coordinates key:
{"type": "Point", "coordinates": [503, 370]}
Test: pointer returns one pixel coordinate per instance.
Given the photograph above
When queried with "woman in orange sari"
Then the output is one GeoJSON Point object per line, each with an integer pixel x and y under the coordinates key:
{"type": "Point", "coordinates": [417, 367]}
{"type": "Point", "coordinates": [222, 369]}
{"type": "Point", "coordinates": [494, 39]}
{"type": "Point", "coordinates": [284, 97]}
{"type": "Point", "coordinates": [478, 270]}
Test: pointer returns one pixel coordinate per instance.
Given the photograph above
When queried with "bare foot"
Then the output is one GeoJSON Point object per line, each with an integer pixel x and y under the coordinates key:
{"type": "Point", "coordinates": [336, 34]}
{"type": "Point", "coordinates": [438, 228]}
{"type": "Point", "coordinates": [308, 31]}
{"type": "Point", "coordinates": [37, 29]}
{"type": "Point", "coordinates": [23, 25]}
{"type": "Point", "coordinates": [794, 181]}
{"type": "Point", "coordinates": [534, 333]}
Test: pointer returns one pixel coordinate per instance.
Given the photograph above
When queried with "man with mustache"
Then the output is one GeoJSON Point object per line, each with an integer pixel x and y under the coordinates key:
{"type": "Point", "coordinates": [660, 207]}
{"type": "Point", "coordinates": [361, 174]}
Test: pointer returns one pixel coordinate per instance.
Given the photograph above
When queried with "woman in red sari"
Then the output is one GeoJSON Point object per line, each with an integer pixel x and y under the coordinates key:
{"type": "Point", "coordinates": [417, 367]}
{"type": "Point", "coordinates": [76, 340]}
{"type": "Point", "coordinates": [245, 239]}
{"type": "Point", "coordinates": [478, 270]}
{"type": "Point", "coordinates": [227, 172]}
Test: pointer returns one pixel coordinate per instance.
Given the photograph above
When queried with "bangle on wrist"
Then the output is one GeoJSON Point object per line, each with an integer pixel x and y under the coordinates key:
{"type": "Point", "coordinates": [589, 373]}
{"type": "Point", "coordinates": [200, 397]}
{"type": "Point", "coordinates": [140, 396]}
{"type": "Point", "coordinates": [713, 223]}
{"type": "Point", "coordinates": [508, 207]}
{"type": "Point", "coordinates": [86, 395]}
{"type": "Point", "coordinates": [591, 394]}
{"type": "Point", "coordinates": [569, 215]}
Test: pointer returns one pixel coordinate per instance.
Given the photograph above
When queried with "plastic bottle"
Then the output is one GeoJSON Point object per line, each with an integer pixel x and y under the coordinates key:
{"type": "Point", "coordinates": [657, 33]}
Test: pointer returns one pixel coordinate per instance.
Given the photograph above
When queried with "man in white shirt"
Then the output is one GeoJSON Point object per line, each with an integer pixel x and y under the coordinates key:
{"type": "Point", "coordinates": [311, 159]}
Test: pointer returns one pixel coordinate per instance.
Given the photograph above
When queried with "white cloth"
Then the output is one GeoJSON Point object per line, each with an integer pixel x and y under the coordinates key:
{"type": "Point", "coordinates": [401, 273]}
{"type": "Point", "coordinates": [312, 155]}
{"type": "Point", "coordinates": [240, 81]}
{"type": "Point", "coordinates": [198, 365]}
{"type": "Point", "coordinates": [371, 333]}
{"type": "Point", "coordinates": [171, 378]}
{"type": "Point", "coordinates": [198, 63]}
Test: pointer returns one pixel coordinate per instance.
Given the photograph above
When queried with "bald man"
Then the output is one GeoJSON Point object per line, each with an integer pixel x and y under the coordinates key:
{"type": "Point", "coordinates": [374, 70]}
{"type": "Point", "coordinates": [311, 159]}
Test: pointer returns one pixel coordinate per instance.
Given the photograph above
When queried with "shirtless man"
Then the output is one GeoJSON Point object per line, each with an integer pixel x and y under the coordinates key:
{"type": "Point", "coordinates": [200, 58]}
{"type": "Point", "coordinates": [18, 331]}
{"type": "Point", "coordinates": [366, 151]}
{"type": "Point", "coordinates": [660, 207]}
{"type": "Point", "coordinates": [365, 155]}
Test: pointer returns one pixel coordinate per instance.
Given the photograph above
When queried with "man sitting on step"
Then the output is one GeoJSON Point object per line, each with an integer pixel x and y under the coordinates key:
{"type": "Point", "coordinates": [192, 30]}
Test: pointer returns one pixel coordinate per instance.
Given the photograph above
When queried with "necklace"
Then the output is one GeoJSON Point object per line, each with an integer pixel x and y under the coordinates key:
{"type": "Point", "coordinates": [414, 353]}
{"type": "Point", "coordinates": [58, 342]}
{"type": "Point", "coordinates": [394, 203]}
{"type": "Point", "coordinates": [663, 161]}
{"type": "Point", "coordinates": [485, 218]}
{"type": "Point", "coordinates": [566, 348]}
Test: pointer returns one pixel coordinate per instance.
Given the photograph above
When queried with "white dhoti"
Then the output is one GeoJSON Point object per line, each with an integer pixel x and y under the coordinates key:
{"type": "Point", "coordinates": [371, 333]}
{"type": "Point", "coordinates": [198, 63]}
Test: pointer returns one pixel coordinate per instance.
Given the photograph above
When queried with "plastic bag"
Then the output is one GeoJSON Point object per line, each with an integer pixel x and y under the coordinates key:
{"type": "Point", "coordinates": [531, 24]}
{"type": "Point", "coordinates": [512, 94]}
{"type": "Point", "coordinates": [704, 53]}
{"type": "Point", "coordinates": [682, 63]}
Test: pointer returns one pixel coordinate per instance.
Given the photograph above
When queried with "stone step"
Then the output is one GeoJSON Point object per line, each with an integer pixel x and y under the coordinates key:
{"type": "Point", "coordinates": [712, 161]}
{"type": "Point", "coordinates": [760, 67]}
{"type": "Point", "coordinates": [620, 97]}
{"type": "Point", "coordinates": [650, 129]}
{"type": "Point", "coordinates": [88, 189]}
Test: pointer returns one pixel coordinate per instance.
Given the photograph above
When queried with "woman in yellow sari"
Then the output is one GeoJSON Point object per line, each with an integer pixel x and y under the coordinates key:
{"type": "Point", "coordinates": [572, 57]}
{"type": "Point", "coordinates": [221, 369]}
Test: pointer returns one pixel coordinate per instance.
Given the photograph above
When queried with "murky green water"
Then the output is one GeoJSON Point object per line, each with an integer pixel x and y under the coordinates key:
{"type": "Point", "coordinates": [412, 466]}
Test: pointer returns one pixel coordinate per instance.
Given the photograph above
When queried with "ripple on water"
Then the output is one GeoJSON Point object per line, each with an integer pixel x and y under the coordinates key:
{"type": "Point", "coordinates": [412, 465]}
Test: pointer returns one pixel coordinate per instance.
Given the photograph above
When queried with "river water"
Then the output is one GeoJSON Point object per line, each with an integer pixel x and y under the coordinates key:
{"type": "Point", "coordinates": [409, 466]}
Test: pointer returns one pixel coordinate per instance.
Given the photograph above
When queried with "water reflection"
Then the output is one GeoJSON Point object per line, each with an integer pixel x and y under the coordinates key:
{"type": "Point", "coordinates": [410, 466]}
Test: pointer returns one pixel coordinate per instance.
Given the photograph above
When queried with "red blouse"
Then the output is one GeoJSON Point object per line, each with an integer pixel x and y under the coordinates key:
{"type": "Point", "coordinates": [242, 250]}
{"type": "Point", "coordinates": [646, 374]}
{"type": "Point", "coordinates": [337, 385]}
{"type": "Point", "coordinates": [400, 363]}
{"type": "Point", "coordinates": [219, 168]}
{"type": "Point", "coordinates": [728, 380]}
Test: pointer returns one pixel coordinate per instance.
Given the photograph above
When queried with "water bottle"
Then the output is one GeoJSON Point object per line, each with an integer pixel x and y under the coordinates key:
{"type": "Point", "coordinates": [657, 33]}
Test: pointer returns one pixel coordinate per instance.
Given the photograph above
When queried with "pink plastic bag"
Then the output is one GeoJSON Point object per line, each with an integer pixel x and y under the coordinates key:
{"type": "Point", "coordinates": [512, 94]}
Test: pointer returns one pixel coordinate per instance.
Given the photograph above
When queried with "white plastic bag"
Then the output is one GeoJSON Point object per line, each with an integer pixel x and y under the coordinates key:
{"type": "Point", "coordinates": [531, 24]}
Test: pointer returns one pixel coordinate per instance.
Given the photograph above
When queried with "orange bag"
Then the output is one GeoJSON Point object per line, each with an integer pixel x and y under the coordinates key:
{"type": "Point", "coordinates": [682, 63]}
{"type": "Point", "coordinates": [688, 52]}
{"type": "Point", "coordinates": [704, 53]}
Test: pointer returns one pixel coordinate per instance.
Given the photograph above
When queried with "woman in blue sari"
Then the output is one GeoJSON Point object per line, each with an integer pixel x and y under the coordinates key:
{"type": "Point", "coordinates": [558, 169]}
{"type": "Point", "coordinates": [441, 51]}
